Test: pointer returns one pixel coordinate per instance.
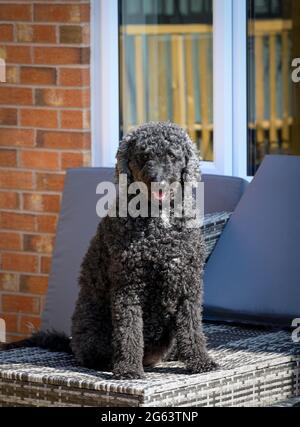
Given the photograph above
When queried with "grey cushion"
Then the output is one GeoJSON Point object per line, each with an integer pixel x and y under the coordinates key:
{"type": "Point", "coordinates": [77, 225]}
{"type": "Point", "coordinates": [253, 275]}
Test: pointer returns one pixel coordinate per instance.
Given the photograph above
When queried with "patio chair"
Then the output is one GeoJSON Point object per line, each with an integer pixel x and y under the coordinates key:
{"type": "Point", "coordinates": [258, 366]}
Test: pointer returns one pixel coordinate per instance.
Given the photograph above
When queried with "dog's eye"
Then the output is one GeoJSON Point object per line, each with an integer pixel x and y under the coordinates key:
{"type": "Point", "coordinates": [172, 156]}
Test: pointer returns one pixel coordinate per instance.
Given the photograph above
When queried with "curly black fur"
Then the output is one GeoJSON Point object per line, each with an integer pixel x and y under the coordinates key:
{"type": "Point", "coordinates": [141, 279]}
{"type": "Point", "coordinates": [53, 341]}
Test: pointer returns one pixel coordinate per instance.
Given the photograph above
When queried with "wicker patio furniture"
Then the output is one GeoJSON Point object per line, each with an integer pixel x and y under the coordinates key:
{"type": "Point", "coordinates": [258, 367]}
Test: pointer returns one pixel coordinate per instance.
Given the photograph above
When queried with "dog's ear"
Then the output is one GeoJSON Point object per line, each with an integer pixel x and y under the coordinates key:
{"type": "Point", "coordinates": [191, 172]}
{"type": "Point", "coordinates": [123, 156]}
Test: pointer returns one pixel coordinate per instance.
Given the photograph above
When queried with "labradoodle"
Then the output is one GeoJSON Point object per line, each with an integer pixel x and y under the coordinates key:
{"type": "Point", "coordinates": [141, 279]}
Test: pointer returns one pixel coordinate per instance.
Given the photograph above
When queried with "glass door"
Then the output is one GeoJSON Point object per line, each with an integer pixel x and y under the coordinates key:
{"type": "Point", "coordinates": [273, 90]}
{"type": "Point", "coordinates": [166, 66]}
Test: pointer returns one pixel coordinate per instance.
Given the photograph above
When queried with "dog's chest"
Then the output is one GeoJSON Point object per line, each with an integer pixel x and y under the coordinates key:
{"type": "Point", "coordinates": [158, 245]}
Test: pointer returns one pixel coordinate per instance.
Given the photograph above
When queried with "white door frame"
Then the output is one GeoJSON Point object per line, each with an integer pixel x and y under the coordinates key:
{"type": "Point", "coordinates": [229, 81]}
{"type": "Point", "coordinates": [239, 100]}
{"type": "Point", "coordinates": [104, 82]}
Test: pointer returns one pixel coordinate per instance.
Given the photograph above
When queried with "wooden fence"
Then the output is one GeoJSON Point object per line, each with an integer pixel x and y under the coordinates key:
{"type": "Point", "coordinates": [167, 72]}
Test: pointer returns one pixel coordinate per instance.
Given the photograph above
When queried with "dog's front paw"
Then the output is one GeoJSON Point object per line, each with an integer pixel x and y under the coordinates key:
{"type": "Point", "coordinates": [202, 365]}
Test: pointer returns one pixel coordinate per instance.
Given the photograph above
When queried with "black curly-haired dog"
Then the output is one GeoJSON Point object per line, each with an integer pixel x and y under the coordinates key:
{"type": "Point", "coordinates": [140, 281]}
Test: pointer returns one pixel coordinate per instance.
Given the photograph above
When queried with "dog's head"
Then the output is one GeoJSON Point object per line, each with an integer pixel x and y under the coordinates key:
{"type": "Point", "coordinates": [158, 153]}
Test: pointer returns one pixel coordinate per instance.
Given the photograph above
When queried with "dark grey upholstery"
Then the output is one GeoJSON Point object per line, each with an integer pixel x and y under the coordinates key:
{"type": "Point", "coordinates": [77, 225]}
{"type": "Point", "coordinates": [253, 275]}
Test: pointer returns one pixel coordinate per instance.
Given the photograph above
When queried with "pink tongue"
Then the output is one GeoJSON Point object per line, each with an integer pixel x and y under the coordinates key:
{"type": "Point", "coordinates": [159, 195]}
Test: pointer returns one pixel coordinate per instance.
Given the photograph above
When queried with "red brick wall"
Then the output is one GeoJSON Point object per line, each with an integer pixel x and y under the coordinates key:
{"type": "Point", "coordinates": [44, 129]}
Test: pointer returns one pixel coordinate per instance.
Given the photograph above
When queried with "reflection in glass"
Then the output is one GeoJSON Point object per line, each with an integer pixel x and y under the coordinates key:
{"type": "Point", "coordinates": [273, 97]}
{"type": "Point", "coordinates": [166, 66]}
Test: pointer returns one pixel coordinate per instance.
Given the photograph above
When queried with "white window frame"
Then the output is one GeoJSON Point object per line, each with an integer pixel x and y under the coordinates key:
{"type": "Point", "coordinates": [229, 81]}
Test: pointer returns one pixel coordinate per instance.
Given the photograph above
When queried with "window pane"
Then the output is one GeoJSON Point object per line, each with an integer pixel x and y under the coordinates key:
{"type": "Point", "coordinates": [166, 66]}
{"type": "Point", "coordinates": [273, 97]}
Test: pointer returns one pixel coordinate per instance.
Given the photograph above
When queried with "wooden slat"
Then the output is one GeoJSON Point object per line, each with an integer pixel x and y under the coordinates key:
{"type": "Point", "coordinates": [273, 92]}
{"type": "Point", "coordinates": [285, 85]}
{"type": "Point", "coordinates": [125, 92]}
{"type": "Point", "coordinates": [259, 87]}
{"type": "Point", "coordinates": [191, 118]}
{"type": "Point", "coordinates": [206, 150]}
{"type": "Point", "coordinates": [166, 29]}
{"type": "Point", "coordinates": [269, 26]}
{"type": "Point", "coordinates": [139, 73]}
{"type": "Point", "coordinates": [259, 27]}
{"type": "Point", "coordinates": [178, 80]}
{"type": "Point", "coordinates": [162, 81]}
{"type": "Point", "coordinates": [153, 78]}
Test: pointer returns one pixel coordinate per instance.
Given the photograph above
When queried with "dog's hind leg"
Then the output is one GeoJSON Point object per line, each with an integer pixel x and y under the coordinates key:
{"type": "Point", "coordinates": [157, 350]}
{"type": "Point", "coordinates": [91, 336]}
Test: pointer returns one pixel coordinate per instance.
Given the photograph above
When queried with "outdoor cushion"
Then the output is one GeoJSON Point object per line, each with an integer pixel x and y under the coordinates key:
{"type": "Point", "coordinates": [78, 223]}
{"type": "Point", "coordinates": [253, 275]}
{"type": "Point", "coordinates": [257, 368]}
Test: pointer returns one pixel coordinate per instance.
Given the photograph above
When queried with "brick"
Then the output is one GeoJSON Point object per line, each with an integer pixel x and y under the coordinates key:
{"type": "Point", "coordinates": [9, 282]}
{"type": "Point", "coordinates": [19, 262]}
{"type": "Point", "coordinates": [10, 241]}
{"type": "Point", "coordinates": [61, 55]}
{"type": "Point", "coordinates": [46, 203]}
{"type": "Point", "coordinates": [29, 324]}
{"type": "Point", "coordinates": [11, 322]}
{"type": "Point", "coordinates": [63, 97]}
{"type": "Point", "coordinates": [17, 221]}
{"type": "Point", "coordinates": [38, 243]}
{"type": "Point", "coordinates": [16, 137]}
{"type": "Point", "coordinates": [16, 180]}
{"type": "Point", "coordinates": [18, 54]}
{"type": "Point", "coordinates": [19, 303]}
{"type": "Point", "coordinates": [9, 200]}
{"type": "Point", "coordinates": [38, 75]}
{"type": "Point", "coordinates": [6, 33]}
{"type": "Point", "coordinates": [75, 119]}
{"type": "Point", "coordinates": [71, 34]}
{"type": "Point", "coordinates": [62, 13]}
{"type": "Point", "coordinates": [86, 34]}
{"type": "Point", "coordinates": [2, 52]}
{"type": "Point", "coordinates": [27, 33]}
{"type": "Point", "coordinates": [74, 77]}
{"type": "Point", "coordinates": [8, 116]}
{"type": "Point", "coordinates": [46, 265]}
{"type": "Point", "coordinates": [12, 74]}
{"type": "Point", "coordinates": [39, 160]}
{"type": "Point", "coordinates": [39, 118]}
{"type": "Point", "coordinates": [50, 182]}
{"type": "Point", "coordinates": [33, 284]}
{"type": "Point", "coordinates": [16, 95]}
{"type": "Point", "coordinates": [47, 224]}
{"type": "Point", "coordinates": [15, 12]}
{"type": "Point", "coordinates": [8, 158]}
{"type": "Point", "coordinates": [72, 160]}
{"type": "Point", "coordinates": [63, 140]}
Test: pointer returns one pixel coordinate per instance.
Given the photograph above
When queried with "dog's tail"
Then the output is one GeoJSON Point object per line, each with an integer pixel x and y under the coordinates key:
{"type": "Point", "coordinates": [49, 340]}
